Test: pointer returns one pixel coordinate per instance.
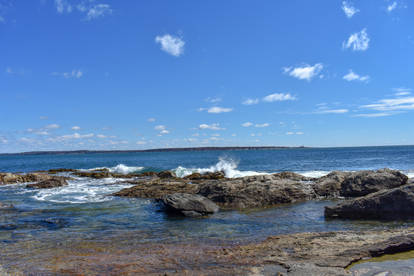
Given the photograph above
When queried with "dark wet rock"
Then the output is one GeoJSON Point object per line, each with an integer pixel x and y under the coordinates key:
{"type": "Point", "coordinates": [147, 174]}
{"type": "Point", "coordinates": [166, 174]}
{"type": "Point", "coordinates": [50, 183]}
{"type": "Point", "coordinates": [12, 178]}
{"type": "Point", "coordinates": [5, 206]}
{"type": "Point", "coordinates": [265, 190]}
{"type": "Point", "coordinates": [292, 176]}
{"type": "Point", "coordinates": [206, 176]}
{"type": "Point", "coordinates": [157, 188]}
{"type": "Point", "coordinates": [330, 185]}
{"type": "Point", "coordinates": [355, 184]}
{"type": "Point", "coordinates": [190, 205]}
{"type": "Point", "coordinates": [389, 204]}
{"type": "Point", "coordinates": [366, 182]}
{"type": "Point", "coordinates": [93, 174]}
{"type": "Point", "coordinates": [256, 191]}
{"type": "Point", "coordinates": [60, 170]}
{"type": "Point", "coordinates": [54, 223]}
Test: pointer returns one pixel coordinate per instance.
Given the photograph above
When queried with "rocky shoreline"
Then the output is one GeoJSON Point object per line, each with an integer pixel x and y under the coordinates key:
{"type": "Point", "coordinates": [380, 194]}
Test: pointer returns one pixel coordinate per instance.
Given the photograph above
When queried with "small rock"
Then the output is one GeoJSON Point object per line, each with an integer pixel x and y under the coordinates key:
{"type": "Point", "coordinates": [189, 204]}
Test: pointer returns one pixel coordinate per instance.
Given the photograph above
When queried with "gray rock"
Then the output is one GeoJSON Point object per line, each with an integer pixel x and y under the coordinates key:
{"type": "Point", "coordinates": [356, 184]}
{"type": "Point", "coordinates": [388, 204]}
{"type": "Point", "coordinates": [4, 206]}
{"type": "Point", "coordinates": [50, 183]}
{"type": "Point", "coordinates": [256, 191]}
{"type": "Point", "coordinates": [189, 204]}
{"type": "Point", "coordinates": [166, 174]}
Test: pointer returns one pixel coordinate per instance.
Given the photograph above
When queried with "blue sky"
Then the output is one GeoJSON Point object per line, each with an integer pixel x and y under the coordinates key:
{"type": "Point", "coordinates": [101, 74]}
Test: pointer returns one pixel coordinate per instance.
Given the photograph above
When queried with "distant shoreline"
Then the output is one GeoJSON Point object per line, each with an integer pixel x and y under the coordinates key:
{"type": "Point", "coordinates": [151, 150]}
{"type": "Point", "coordinates": [56, 152]}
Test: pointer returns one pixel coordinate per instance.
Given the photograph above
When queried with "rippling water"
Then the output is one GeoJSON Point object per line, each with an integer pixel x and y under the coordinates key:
{"type": "Point", "coordinates": [49, 220]}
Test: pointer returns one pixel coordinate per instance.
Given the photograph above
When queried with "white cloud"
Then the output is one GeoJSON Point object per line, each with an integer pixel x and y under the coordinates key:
{"type": "Point", "coordinates": [247, 124]}
{"type": "Point", "coordinates": [3, 140]}
{"type": "Point", "coordinates": [151, 120]}
{"type": "Point", "coordinates": [349, 9]}
{"type": "Point", "coordinates": [332, 111]}
{"type": "Point", "coordinates": [63, 6]}
{"type": "Point", "coordinates": [213, 100]}
{"type": "Point", "coordinates": [88, 7]}
{"type": "Point", "coordinates": [305, 72]}
{"type": "Point", "coordinates": [172, 45]}
{"type": "Point", "coordinates": [373, 115]}
{"type": "Point", "coordinates": [101, 136]}
{"type": "Point", "coordinates": [159, 127]}
{"type": "Point", "coordinates": [76, 136]}
{"type": "Point", "coordinates": [217, 109]}
{"type": "Point", "coordinates": [351, 76]}
{"type": "Point", "coordinates": [402, 91]}
{"type": "Point", "coordinates": [262, 125]}
{"type": "Point", "coordinates": [164, 131]}
{"type": "Point", "coordinates": [392, 6]}
{"type": "Point", "coordinates": [75, 74]}
{"type": "Point", "coordinates": [278, 97]}
{"type": "Point", "coordinates": [294, 133]}
{"type": "Point", "coordinates": [52, 126]}
{"type": "Point", "coordinates": [96, 11]}
{"type": "Point", "coordinates": [396, 104]}
{"type": "Point", "coordinates": [141, 143]}
{"type": "Point", "coordinates": [357, 41]}
{"type": "Point", "coordinates": [26, 140]}
{"type": "Point", "coordinates": [211, 127]}
{"type": "Point", "coordinates": [250, 101]}
{"type": "Point", "coordinates": [41, 132]}
{"type": "Point", "coordinates": [75, 128]}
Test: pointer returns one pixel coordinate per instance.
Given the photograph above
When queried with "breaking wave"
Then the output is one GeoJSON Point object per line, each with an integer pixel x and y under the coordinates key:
{"type": "Point", "coordinates": [226, 165]}
{"type": "Point", "coordinates": [82, 191]}
{"type": "Point", "coordinates": [120, 168]}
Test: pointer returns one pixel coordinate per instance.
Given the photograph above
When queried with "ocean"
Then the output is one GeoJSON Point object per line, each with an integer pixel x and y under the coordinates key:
{"type": "Point", "coordinates": [66, 218]}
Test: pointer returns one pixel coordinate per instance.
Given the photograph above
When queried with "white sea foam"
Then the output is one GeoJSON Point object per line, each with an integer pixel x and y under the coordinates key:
{"type": "Point", "coordinates": [314, 174]}
{"type": "Point", "coordinates": [82, 190]}
{"type": "Point", "coordinates": [120, 168]}
{"type": "Point", "coordinates": [226, 165]}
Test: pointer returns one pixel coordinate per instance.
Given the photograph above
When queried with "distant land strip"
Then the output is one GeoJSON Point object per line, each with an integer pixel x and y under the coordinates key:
{"type": "Point", "coordinates": [149, 150]}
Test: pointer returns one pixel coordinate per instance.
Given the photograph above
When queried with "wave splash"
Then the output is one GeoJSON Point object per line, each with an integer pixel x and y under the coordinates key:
{"type": "Point", "coordinates": [226, 165]}
{"type": "Point", "coordinates": [120, 168]}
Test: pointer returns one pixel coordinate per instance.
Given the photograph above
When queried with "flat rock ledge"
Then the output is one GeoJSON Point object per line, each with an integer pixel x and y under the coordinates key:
{"type": "Point", "coordinates": [328, 253]}
{"type": "Point", "coordinates": [49, 183]}
{"type": "Point", "coordinates": [391, 204]}
{"type": "Point", "coordinates": [189, 205]}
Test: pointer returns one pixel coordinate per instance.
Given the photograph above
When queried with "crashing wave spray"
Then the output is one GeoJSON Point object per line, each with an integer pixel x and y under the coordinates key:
{"type": "Point", "coordinates": [226, 165]}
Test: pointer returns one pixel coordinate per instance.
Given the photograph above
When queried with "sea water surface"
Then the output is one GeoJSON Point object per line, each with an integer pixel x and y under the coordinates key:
{"type": "Point", "coordinates": [85, 211]}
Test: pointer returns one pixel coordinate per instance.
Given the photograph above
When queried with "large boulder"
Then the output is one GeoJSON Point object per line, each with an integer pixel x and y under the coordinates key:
{"type": "Point", "coordinates": [189, 204]}
{"type": "Point", "coordinates": [256, 191]}
{"type": "Point", "coordinates": [356, 184]}
{"type": "Point", "coordinates": [388, 204]}
{"type": "Point", "coordinates": [366, 182]}
{"type": "Point", "coordinates": [50, 183]}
